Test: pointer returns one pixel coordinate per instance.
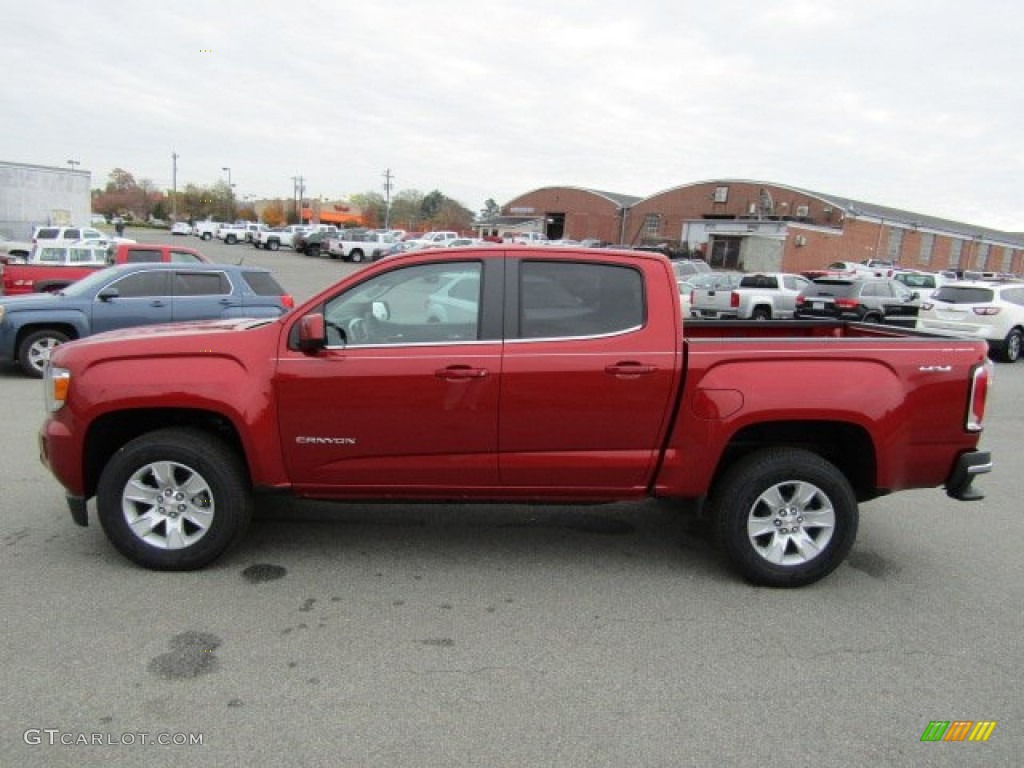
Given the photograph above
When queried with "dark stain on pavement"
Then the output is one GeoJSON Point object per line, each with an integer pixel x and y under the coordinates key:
{"type": "Point", "coordinates": [257, 574]}
{"type": "Point", "coordinates": [192, 654]}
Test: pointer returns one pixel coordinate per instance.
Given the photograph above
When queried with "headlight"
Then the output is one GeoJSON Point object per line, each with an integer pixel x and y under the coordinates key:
{"type": "Point", "coordinates": [56, 382]}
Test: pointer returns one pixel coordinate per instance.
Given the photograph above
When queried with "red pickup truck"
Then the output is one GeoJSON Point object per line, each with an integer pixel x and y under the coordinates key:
{"type": "Point", "coordinates": [513, 374]}
{"type": "Point", "coordinates": [57, 267]}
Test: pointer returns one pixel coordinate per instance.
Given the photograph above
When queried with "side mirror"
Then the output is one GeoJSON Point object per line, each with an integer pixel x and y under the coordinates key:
{"type": "Point", "coordinates": [107, 294]}
{"type": "Point", "coordinates": [312, 333]}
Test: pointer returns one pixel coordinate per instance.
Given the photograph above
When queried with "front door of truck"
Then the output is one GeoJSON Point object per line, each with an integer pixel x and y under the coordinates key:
{"type": "Point", "coordinates": [588, 378]}
{"type": "Point", "coordinates": [404, 399]}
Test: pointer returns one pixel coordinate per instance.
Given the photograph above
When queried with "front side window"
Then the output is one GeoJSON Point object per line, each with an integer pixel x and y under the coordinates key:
{"type": "Point", "coordinates": [422, 304]}
{"type": "Point", "coordinates": [141, 285]}
{"type": "Point", "coordinates": [572, 299]}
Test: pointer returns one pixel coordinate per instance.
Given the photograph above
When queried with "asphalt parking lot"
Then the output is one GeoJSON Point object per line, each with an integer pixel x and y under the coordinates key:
{"type": "Point", "coordinates": [398, 635]}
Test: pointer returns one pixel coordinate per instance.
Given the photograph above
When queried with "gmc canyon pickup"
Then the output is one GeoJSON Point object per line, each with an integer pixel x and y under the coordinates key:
{"type": "Point", "coordinates": [512, 374]}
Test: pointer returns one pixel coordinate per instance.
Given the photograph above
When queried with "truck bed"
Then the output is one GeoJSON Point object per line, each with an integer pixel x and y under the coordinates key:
{"type": "Point", "coordinates": [697, 330]}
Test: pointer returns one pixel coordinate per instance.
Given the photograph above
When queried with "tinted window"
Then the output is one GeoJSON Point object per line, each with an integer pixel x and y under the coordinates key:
{"type": "Point", "coordinates": [72, 234]}
{"type": "Point", "coordinates": [566, 299]}
{"type": "Point", "coordinates": [831, 288]}
{"type": "Point", "coordinates": [964, 294]}
{"type": "Point", "coordinates": [1014, 295]}
{"type": "Point", "coordinates": [142, 254]}
{"type": "Point", "coordinates": [141, 285]}
{"type": "Point", "coordinates": [201, 284]}
{"type": "Point", "coordinates": [758, 281]}
{"type": "Point", "coordinates": [47, 233]}
{"type": "Point", "coordinates": [262, 284]}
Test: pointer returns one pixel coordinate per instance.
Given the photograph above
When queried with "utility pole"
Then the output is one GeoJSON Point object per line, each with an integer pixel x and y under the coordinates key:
{"type": "Point", "coordinates": [174, 186]}
{"type": "Point", "coordinates": [387, 197]}
{"type": "Point", "coordinates": [298, 188]}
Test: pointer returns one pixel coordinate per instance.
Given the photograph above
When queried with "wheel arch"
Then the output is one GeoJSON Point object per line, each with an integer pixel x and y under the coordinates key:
{"type": "Point", "coordinates": [847, 446]}
{"type": "Point", "coordinates": [67, 328]}
{"type": "Point", "coordinates": [113, 430]}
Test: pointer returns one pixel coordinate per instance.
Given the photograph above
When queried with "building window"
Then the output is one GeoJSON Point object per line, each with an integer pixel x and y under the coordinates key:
{"type": "Point", "coordinates": [956, 247]}
{"type": "Point", "coordinates": [927, 244]}
{"type": "Point", "coordinates": [652, 226]}
{"type": "Point", "coordinates": [982, 256]}
{"type": "Point", "coordinates": [1007, 259]}
{"type": "Point", "coordinates": [721, 195]}
{"type": "Point", "coordinates": [895, 244]}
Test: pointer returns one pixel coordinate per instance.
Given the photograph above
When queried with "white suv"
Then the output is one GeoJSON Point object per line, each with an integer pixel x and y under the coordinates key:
{"type": "Point", "coordinates": [66, 235]}
{"type": "Point", "coordinates": [983, 310]}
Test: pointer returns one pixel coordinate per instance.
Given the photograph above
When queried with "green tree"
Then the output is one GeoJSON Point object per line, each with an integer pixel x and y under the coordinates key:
{"type": "Point", "coordinates": [491, 210]}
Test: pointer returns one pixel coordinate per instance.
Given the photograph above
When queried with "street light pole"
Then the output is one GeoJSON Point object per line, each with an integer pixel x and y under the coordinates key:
{"type": "Point", "coordinates": [231, 194]}
{"type": "Point", "coordinates": [74, 164]}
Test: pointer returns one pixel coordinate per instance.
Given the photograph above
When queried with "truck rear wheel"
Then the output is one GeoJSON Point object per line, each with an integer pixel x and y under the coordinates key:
{"type": "Point", "coordinates": [273, 245]}
{"type": "Point", "coordinates": [785, 517]}
{"type": "Point", "coordinates": [174, 499]}
{"type": "Point", "coordinates": [35, 349]}
{"type": "Point", "coordinates": [313, 249]}
{"type": "Point", "coordinates": [355, 256]}
{"type": "Point", "coordinates": [206, 236]}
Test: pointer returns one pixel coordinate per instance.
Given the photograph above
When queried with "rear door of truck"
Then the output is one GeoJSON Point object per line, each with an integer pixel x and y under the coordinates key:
{"type": "Point", "coordinates": [590, 368]}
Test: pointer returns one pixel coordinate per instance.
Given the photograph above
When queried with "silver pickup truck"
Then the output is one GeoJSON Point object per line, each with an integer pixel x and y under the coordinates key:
{"type": "Point", "coordinates": [758, 296]}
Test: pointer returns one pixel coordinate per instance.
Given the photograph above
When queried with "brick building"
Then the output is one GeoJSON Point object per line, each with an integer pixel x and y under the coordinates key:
{"type": "Point", "coordinates": [755, 225]}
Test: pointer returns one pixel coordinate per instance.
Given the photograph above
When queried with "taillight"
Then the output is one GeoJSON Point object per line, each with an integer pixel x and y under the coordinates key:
{"type": "Point", "coordinates": [734, 300]}
{"type": "Point", "coordinates": [800, 300]}
{"type": "Point", "coordinates": [986, 310]}
{"type": "Point", "coordinates": [846, 303]}
{"type": "Point", "coordinates": [981, 380]}
{"type": "Point", "coordinates": [287, 301]}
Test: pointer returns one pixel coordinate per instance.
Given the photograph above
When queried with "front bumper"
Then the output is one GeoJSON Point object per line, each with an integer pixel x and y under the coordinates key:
{"type": "Point", "coordinates": [968, 465]}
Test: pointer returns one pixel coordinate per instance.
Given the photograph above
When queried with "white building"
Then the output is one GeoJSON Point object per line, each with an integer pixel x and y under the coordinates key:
{"type": "Point", "coordinates": [39, 194]}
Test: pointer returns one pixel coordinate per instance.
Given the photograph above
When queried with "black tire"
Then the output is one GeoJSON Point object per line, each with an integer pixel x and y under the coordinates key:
{"type": "Point", "coordinates": [34, 350]}
{"type": "Point", "coordinates": [761, 313]}
{"type": "Point", "coordinates": [1011, 350]}
{"type": "Point", "coordinates": [206, 236]}
{"type": "Point", "coordinates": [256, 244]}
{"type": "Point", "coordinates": [785, 517]}
{"type": "Point", "coordinates": [872, 317]}
{"type": "Point", "coordinates": [355, 256]}
{"type": "Point", "coordinates": [230, 239]}
{"type": "Point", "coordinates": [313, 249]}
{"type": "Point", "coordinates": [183, 534]}
{"type": "Point", "coordinates": [273, 245]}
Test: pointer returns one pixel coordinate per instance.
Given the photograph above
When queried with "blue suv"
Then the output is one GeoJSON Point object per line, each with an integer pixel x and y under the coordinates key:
{"type": "Point", "coordinates": [130, 295]}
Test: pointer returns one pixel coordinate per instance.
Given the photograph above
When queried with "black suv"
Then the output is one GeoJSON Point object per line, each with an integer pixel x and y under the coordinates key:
{"type": "Point", "coordinates": [866, 300]}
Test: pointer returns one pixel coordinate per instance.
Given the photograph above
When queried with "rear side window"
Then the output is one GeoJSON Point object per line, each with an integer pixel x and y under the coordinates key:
{"type": "Point", "coordinates": [201, 284]}
{"type": "Point", "coordinates": [262, 284]}
{"type": "Point", "coordinates": [51, 255]}
{"type": "Point", "coordinates": [72, 234]}
{"type": "Point", "coordinates": [135, 255]}
{"type": "Point", "coordinates": [48, 233]}
{"type": "Point", "coordinates": [967, 294]}
{"type": "Point", "coordinates": [570, 299]}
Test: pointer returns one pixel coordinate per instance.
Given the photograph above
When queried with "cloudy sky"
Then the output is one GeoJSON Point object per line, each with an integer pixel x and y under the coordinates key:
{"type": "Point", "coordinates": [915, 104]}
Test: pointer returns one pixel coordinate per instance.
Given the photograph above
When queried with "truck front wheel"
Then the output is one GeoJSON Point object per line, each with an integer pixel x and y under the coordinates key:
{"type": "Point", "coordinates": [206, 236]}
{"type": "Point", "coordinates": [35, 349]}
{"type": "Point", "coordinates": [174, 499]}
{"type": "Point", "coordinates": [355, 255]}
{"type": "Point", "coordinates": [785, 517]}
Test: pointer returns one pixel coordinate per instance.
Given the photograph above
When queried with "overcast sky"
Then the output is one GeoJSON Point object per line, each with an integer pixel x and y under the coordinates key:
{"type": "Point", "coordinates": [915, 104]}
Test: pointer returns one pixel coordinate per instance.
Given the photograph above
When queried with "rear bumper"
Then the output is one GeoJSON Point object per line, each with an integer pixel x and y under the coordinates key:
{"type": "Point", "coordinates": [968, 465]}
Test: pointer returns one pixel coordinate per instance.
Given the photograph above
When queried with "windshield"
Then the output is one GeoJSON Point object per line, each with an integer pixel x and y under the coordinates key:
{"type": "Point", "coordinates": [90, 284]}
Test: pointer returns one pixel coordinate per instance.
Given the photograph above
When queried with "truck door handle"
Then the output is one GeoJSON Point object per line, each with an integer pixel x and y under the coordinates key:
{"type": "Point", "coordinates": [460, 373]}
{"type": "Point", "coordinates": [629, 369]}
